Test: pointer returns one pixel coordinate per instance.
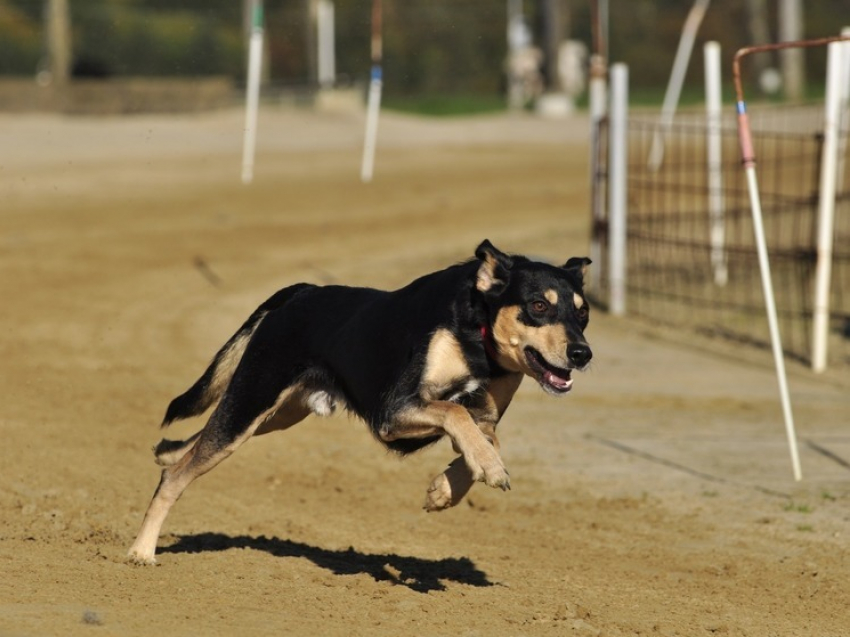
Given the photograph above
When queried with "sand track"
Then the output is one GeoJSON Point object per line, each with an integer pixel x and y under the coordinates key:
{"type": "Point", "coordinates": [656, 498]}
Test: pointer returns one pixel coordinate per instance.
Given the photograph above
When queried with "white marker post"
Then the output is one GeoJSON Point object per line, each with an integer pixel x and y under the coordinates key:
{"type": "Point", "coordinates": [252, 93]}
{"type": "Point", "coordinates": [677, 78]}
{"type": "Point", "coordinates": [716, 203]}
{"type": "Point", "coordinates": [618, 153]}
{"type": "Point", "coordinates": [748, 160]}
{"type": "Point", "coordinates": [373, 107]}
{"type": "Point", "coordinates": [826, 204]}
{"type": "Point", "coordinates": [327, 49]}
{"type": "Point", "coordinates": [767, 287]}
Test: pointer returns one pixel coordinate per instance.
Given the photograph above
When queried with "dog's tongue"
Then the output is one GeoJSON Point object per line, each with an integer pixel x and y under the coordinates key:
{"type": "Point", "coordinates": [556, 382]}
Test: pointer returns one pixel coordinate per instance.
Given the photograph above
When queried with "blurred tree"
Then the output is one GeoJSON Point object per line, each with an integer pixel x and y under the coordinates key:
{"type": "Point", "coordinates": [793, 61]}
{"type": "Point", "coordinates": [57, 20]}
{"type": "Point", "coordinates": [20, 39]}
{"type": "Point", "coordinates": [554, 18]}
{"type": "Point", "coordinates": [759, 31]}
{"type": "Point", "coordinates": [431, 46]}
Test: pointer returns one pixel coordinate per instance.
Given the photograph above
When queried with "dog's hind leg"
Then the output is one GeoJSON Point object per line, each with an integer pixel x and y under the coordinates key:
{"type": "Point", "coordinates": [220, 437]}
{"type": "Point", "coordinates": [291, 412]}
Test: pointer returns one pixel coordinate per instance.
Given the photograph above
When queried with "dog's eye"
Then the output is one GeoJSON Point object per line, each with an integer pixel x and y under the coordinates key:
{"type": "Point", "coordinates": [581, 313]}
{"type": "Point", "coordinates": [539, 307]}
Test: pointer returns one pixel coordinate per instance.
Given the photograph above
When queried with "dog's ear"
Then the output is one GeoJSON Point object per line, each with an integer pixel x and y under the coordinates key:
{"type": "Point", "coordinates": [494, 273]}
{"type": "Point", "coordinates": [577, 266]}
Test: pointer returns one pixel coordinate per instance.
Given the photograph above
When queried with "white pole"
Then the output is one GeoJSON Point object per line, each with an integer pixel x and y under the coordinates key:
{"type": "Point", "coordinates": [826, 206]}
{"type": "Point", "coordinates": [373, 107]}
{"type": "Point", "coordinates": [327, 51]}
{"type": "Point", "coordinates": [845, 113]}
{"type": "Point", "coordinates": [372, 110]}
{"type": "Point", "coordinates": [617, 182]}
{"type": "Point", "coordinates": [748, 157]}
{"type": "Point", "coordinates": [677, 78]}
{"type": "Point", "coordinates": [252, 97]}
{"type": "Point", "coordinates": [716, 204]}
{"type": "Point", "coordinates": [773, 322]}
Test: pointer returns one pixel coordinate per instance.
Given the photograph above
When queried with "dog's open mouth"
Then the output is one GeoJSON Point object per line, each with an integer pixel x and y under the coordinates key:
{"type": "Point", "coordinates": [554, 379]}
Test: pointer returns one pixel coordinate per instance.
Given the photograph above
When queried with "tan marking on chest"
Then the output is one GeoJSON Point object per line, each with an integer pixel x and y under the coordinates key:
{"type": "Point", "coordinates": [501, 390]}
{"type": "Point", "coordinates": [445, 365]}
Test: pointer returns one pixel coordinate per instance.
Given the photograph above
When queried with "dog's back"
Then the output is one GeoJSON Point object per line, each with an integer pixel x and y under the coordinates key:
{"type": "Point", "coordinates": [212, 383]}
{"type": "Point", "coordinates": [349, 328]}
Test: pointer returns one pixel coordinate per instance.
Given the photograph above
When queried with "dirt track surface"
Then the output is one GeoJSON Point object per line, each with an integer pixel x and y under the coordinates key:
{"type": "Point", "coordinates": [655, 499]}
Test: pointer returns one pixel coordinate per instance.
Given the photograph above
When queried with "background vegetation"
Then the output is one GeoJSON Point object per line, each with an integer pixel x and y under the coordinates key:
{"type": "Point", "coordinates": [431, 47]}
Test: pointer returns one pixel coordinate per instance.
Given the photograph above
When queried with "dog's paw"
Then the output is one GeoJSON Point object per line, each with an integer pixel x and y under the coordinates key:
{"type": "Point", "coordinates": [448, 488]}
{"type": "Point", "coordinates": [138, 559]}
{"type": "Point", "coordinates": [491, 471]}
{"type": "Point", "coordinates": [499, 479]}
{"type": "Point", "coordinates": [439, 494]}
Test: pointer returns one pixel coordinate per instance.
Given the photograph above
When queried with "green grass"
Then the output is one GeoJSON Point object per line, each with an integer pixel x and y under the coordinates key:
{"type": "Point", "coordinates": [693, 95]}
{"type": "Point", "coordinates": [639, 96]}
{"type": "Point", "coordinates": [798, 508]}
{"type": "Point", "coordinates": [446, 105]}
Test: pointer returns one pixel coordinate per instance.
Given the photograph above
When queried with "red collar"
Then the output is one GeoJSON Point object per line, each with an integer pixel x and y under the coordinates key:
{"type": "Point", "coordinates": [489, 343]}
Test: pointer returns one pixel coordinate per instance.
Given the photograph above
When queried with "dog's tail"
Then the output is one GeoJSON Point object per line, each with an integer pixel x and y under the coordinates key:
{"type": "Point", "coordinates": [212, 383]}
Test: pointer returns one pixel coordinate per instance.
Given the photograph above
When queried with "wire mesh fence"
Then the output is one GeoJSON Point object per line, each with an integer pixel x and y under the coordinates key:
{"type": "Point", "coordinates": [678, 272]}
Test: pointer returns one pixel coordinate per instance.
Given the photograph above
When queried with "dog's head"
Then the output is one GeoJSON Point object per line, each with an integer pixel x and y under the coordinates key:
{"type": "Point", "coordinates": [537, 314]}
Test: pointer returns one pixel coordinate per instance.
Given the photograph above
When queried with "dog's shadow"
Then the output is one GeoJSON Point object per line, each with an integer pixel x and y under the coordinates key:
{"type": "Point", "coordinates": [418, 574]}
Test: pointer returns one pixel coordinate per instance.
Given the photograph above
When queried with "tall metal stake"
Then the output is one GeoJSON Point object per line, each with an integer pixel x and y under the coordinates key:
{"type": "Point", "coordinates": [252, 92]}
{"type": "Point", "coordinates": [748, 160]}
{"type": "Point", "coordinates": [374, 101]}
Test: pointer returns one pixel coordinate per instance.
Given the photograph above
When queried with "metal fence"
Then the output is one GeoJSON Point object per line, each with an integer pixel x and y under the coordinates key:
{"type": "Point", "coordinates": [674, 276]}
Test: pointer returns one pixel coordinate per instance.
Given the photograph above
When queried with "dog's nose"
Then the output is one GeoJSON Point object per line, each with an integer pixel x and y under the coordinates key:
{"type": "Point", "coordinates": [579, 354]}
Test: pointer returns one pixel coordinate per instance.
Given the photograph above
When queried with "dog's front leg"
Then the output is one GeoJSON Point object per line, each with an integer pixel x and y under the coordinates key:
{"type": "Point", "coordinates": [440, 417]}
{"type": "Point", "coordinates": [450, 487]}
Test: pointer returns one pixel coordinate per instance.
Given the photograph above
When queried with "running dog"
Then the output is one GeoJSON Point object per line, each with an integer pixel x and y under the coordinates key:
{"type": "Point", "coordinates": [442, 356]}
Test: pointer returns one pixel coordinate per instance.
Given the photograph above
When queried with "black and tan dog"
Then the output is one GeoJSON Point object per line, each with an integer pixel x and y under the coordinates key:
{"type": "Point", "coordinates": [441, 356]}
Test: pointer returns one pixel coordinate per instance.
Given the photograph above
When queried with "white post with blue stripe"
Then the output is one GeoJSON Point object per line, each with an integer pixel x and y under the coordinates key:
{"type": "Point", "coordinates": [748, 160]}
{"type": "Point", "coordinates": [373, 107]}
{"type": "Point", "coordinates": [372, 110]}
{"type": "Point", "coordinates": [252, 93]}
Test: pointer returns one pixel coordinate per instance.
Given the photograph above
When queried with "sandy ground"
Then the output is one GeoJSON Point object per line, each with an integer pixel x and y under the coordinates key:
{"type": "Point", "coordinates": [654, 499]}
